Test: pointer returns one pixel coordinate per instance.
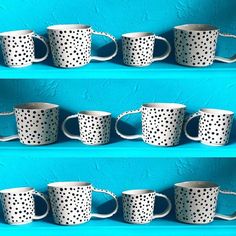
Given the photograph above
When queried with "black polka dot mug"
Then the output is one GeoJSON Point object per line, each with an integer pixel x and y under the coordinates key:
{"type": "Point", "coordinates": [71, 45]}
{"type": "Point", "coordinates": [37, 123]}
{"type": "Point", "coordinates": [214, 126]}
{"type": "Point", "coordinates": [161, 123]}
{"type": "Point", "coordinates": [195, 45]}
{"type": "Point", "coordinates": [138, 48]}
{"type": "Point", "coordinates": [196, 202]}
{"type": "Point", "coordinates": [19, 205]}
{"type": "Point", "coordinates": [18, 48]}
{"type": "Point", "coordinates": [138, 206]}
{"type": "Point", "coordinates": [71, 202]}
{"type": "Point", "coordinates": [94, 127]}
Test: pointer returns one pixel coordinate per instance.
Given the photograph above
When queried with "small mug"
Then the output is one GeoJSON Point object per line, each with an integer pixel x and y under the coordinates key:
{"type": "Point", "coordinates": [161, 123]}
{"type": "Point", "coordinates": [214, 126]}
{"type": "Point", "coordinates": [138, 48]}
{"type": "Point", "coordinates": [94, 127]}
{"type": "Point", "coordinates": [138, 206]}
{"type": "Point", "coordinates": [71, 202]}
{"type": "Point", "coordinates": [71, 45]}
{"type": "Point", "coordinates": [196, 202]}
{"type": "Point", "coordinates": [37, 123]}
{"type": "Point", "coordinates": [195, 45]}
{"type": "Point", "coordinates": [19, 205]}
{"type": "Point", "coordinates": [18, 48]}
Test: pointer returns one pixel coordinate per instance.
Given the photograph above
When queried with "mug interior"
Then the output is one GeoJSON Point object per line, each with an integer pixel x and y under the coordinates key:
{"type": "Point", "coordinates": [197, 184]}
{"type": "Point", "coordinates": [196, 27]}
{"type": "Point", "coordinates": [138, 192]}
{"type": "Point", "coordinates": [36, 106]}
{"type": "Point", "coordinates": [217, 111]}
{"type": "Point", "coordinates": [16, 33]}
{"type": "Point", "coordinates": [17, 190]}
{"type": "Point", "coordinates": [164, 105]}
{"type": "Point", "coordinates": [137, 34]}
{"type": "Point", "coordinates": [68, 27]}
{"type": "Point", "coordinates": [68, 184]}
{"type": "Point", "coordinates": [95, 113]}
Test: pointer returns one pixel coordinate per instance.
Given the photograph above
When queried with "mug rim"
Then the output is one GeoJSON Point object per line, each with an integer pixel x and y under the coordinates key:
{"type": "Point", "coordinates": [69, 184]}
{"type": "Point", "coordinates": [16, 33]}
{"type": "Point", "coordinates": [135, 192]}
{"type": "Point", "coordinates": [196, 27]}
{"type": "Point", "coordinates": [36, 106]}
{"type": "Point", "coordinates": [214, 111]}
{"type": "Point", "coordinates": [197, 184]}
{"type": "Point", "coordinates": [137, 34]}
{"type": "Point", "coordinates": [17, 190]}
{"type": "Point", "coordinates": [94, 113]}
{"type": "Point", "coordinates": [67, 27]}
{"type": "Point", "coordinates": [163, 105]}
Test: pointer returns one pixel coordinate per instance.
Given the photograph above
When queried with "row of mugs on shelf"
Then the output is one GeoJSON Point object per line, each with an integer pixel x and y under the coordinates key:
{"type": "Point", "coordinates": [195, 203]}
{"type": "Point", "coordinates": [162, 124]}
{"type": "Point", "coordinates": [195, 45]}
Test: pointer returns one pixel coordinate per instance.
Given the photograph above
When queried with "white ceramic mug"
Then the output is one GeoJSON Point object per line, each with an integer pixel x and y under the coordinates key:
{"type": "Point", "coordinates": [19, 205]}
{"type": "Point", "coordinates": [195, 45]}
{"type": "Point", "coordinates": [18, 48]}
{"type": "Point", "coordinates": [138, 206]}
{"type": "Point", "coordinates": [161, 123]}
{"type": "Point", "coordinates": [138, 48]}
{"type": "Point", "coordinates": [196, 202]}
{"type": "Point", "coordinates": [71, 202]}
{"type": "Point", "coordinates": [214, 126]}
{"type": "Point", "coordinates": [94, 127]}
{"type": "Point", "coordinates": [37, 123]}
{"type": "Point", "coordinates": [71, 45]}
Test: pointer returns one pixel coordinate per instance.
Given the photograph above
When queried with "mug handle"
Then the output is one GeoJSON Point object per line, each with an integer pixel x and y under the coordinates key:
{"type": "Point", "coordinates": [166, 53]}
{"type": "Point", "coordinates": [11, 137]}
{"type": "Point", "coordinates": [41, 195]}
{"type": "Point", "coordinates": [116, 202]}
{"type": "Point", "coordinates": [224, 59]}
{"type": "Point", "coordinates": [196, 114]}
{"type": "Point", "coordinates": [97, 58]}
{"type": "Point", "coordinates": [66, 132]}
{"type": "Point", "coordinates": [225, 217]}
{"type": "Point", "coordinates": [42, 39]}
{"type": "Point", "coordinates": [135, 136]}
{"type": "Point", "coordinates": [168, 208]}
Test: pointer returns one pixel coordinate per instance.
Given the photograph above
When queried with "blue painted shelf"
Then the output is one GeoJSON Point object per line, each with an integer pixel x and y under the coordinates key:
{"type": "Point", "coordinates": [119, 149]}
{"type": "Point", "coordinates": [114, 70]}
{"type": "Point", "coordinates": [110, 227]}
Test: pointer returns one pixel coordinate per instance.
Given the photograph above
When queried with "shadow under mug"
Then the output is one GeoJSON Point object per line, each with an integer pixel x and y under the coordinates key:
{"type": "Point", "coordinates": [196, 202]}
{"type": "Point", "coordinates": [138, 48]}
{"type": "Point", "coordinates": [195, 45]}
{"type": "Point", "coordinates": [18, 48]}
{"type": "Point", "coordinates": [161, 123]}
{"type": "Point", "coordinates": [37, 123]}
{"type": "Point", "coordinates": [19, 205]}
{"type": "Point", "coordinates": [71, 202]}
{"type": "Point", "coordinates": [138, 206]}
{"type": "Point", "coordinates": [71, 45]}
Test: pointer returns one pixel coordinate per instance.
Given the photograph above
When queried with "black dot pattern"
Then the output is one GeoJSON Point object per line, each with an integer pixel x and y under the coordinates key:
{"type": "Point", "coordinates": [195, 48]}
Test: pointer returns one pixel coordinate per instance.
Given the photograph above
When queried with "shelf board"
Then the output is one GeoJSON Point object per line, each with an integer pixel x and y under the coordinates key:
{"type": "Point", "coordinates": [117, 149]}
{"type": "Point", "coordinates": [109, 227]}
{"type": "Point", "coordinates": [116, 70]}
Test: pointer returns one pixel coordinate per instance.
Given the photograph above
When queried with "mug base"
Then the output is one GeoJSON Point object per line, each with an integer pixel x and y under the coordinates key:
{"type": "Point", "coordinates": [70, 67]}
{"type": "Point", "coordinates": [213, 144]}
{"type": "Point", "coordinates": [156, 145]}
{"type": "Point", "coordinates": [95, 144]}
{"type": "Point", "coordinates": [36, 144]}
{"type": "Point", "coordinates": [79, 223]}
{"type": "Point", "coordinates": [195, 223]}
{"type": "Point", "coordinates": [138, 65]}
{"type": "Point", "coordinates": [20, 66]}
{"type": "Point", "coordinates": [137, 223]}
{"type": "Point", "coordinates": [190, 65]}
{"type": "Point", "coordinates": [21, 223]}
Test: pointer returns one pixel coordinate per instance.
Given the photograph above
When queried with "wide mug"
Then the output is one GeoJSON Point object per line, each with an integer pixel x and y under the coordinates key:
{"type": "Point", "coordinates": [18, 48]}
{"type": "Point", "coordinates": [195, 45]}
{"type": "Point", "coordinates": [71, 45]}
{"type": "Point", "coordinates": [196, 202]}
{"type": "Point", "coordinates": [161, 123]}
{"type": "Point", "coordinates": [94, 127]}
{"type": "Point", "coordinates": [138, 48]}
{"type": "Point", "coordinates": [71, 202]}
{"type": "Point", "coordinates": [138, 206]}
{"type": "Point", "coordinates": [37, 123]}
{"type": "Point", "coordinates": [19, 205]}
{"type": "Point", "coordinates": [214, 126]}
